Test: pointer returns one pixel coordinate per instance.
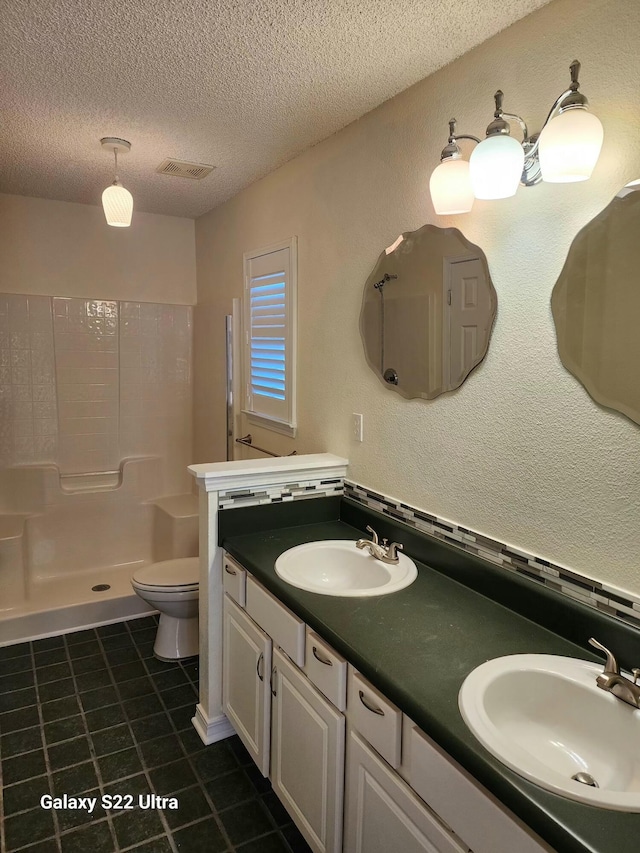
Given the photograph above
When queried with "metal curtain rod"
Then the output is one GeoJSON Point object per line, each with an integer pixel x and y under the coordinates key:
{"type": "Point", "coordinates": [248, 441]}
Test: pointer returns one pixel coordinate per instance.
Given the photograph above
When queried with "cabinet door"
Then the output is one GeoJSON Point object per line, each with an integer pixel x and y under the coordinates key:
{"type": "Point", "coordinates": [382, 813]}
{"type": "Point", "coordinates": [246, 691]}
{"type": "Point", "coordinates": [307, 749]}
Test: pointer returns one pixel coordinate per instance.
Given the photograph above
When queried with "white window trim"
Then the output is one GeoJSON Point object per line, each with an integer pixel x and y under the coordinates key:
{"type": "Point", "coordinates": [276, 425]}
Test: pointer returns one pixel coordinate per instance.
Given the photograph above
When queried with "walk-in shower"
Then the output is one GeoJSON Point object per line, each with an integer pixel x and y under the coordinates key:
{"type": "Point", "coordinates": [95, 439]}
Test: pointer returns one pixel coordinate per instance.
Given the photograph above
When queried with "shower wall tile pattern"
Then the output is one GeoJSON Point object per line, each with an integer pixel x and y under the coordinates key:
{"type": "Point", "coordinates": [86, 383]}
{"type": "Point", "coordinates": [155, 383]}
{"type": "Point", "coordinates": [28, 412]}
{"type": "Point", "coordinates": [87, 376]}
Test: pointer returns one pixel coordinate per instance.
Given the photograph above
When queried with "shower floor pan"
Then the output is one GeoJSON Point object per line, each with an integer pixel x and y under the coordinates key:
{"type": "Point", "coordinates": [68, 603]}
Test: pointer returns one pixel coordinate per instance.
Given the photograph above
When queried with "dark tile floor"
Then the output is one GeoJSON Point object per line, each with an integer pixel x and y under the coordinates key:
{"type": "Point", "coordinates": [94, 713]}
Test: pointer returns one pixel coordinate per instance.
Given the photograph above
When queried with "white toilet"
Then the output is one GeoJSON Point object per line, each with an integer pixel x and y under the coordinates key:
{"type": "Point", "coordinates": [172, 588]}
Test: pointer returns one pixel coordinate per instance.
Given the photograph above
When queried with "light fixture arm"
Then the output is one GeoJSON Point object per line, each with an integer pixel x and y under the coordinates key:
{"type": "Point", "coordinates": [451, 151]}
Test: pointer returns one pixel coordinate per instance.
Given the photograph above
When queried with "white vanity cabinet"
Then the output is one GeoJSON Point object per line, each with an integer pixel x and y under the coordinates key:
{"type": "Point", "coordinates": [292, 732]}
{"type": "Point", "coordinates": [246, 671]}
{"type": "Point", "coordinates": [307, 755]}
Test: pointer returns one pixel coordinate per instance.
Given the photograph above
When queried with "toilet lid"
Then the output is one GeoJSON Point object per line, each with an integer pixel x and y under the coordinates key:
{"type": "Point", "coordinates": [182, 572]}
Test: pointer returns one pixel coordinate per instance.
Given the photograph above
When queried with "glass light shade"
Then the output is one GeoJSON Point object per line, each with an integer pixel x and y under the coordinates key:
{"type": "Point", "coordinates": [450, 187]}
{"type": "Point", "coordinates": [117, 203]}
{"type": "Point", "coordinates": [570, 146]}
{"type": "Point", "coordinates": [496, 166]}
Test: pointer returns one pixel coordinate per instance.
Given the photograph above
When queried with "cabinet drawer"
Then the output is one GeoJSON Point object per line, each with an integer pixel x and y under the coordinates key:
{"type": "Point", "coordinates": [234, 580]}
{"type": "Point", "coordinates": [472, 812]}
{"type": "Point", "coordinates": [377, 719]}
{"type": "Point", "coordinates": [326, 669]}
{"type": "Point", "coordinates": [285, 629]}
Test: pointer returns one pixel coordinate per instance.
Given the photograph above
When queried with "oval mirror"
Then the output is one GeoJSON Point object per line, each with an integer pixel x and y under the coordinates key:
{"type": "Point", "coordinates": [596, 303]}
{"type": "Point", "coordinates": [427, 312]}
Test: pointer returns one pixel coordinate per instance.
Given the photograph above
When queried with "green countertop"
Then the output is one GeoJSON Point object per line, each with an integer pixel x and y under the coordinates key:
{"type": "Point", "coordinates": [417, 646]}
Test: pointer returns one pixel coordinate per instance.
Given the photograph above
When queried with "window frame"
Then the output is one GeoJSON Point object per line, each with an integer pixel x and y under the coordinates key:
{"type": "Point", "coordinates": [284, 426]}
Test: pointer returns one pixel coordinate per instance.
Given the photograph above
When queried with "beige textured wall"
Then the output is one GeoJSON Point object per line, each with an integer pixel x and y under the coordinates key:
{"type": "Point", "coordinates": [520, 451]}
{"type": "Point", "coordinates": [63, 249]}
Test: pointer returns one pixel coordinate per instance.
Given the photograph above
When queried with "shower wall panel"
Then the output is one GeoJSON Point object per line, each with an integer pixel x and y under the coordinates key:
{"type": "Point", "coordinates": [87, 383]}
{"type": "Point", "coordinates": [87, 379]}
{"type": "Point", "coordinates": [28, 411]}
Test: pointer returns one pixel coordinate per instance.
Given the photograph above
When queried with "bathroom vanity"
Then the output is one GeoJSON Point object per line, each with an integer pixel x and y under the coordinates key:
{"type": "Point", "coordinates": [294, 701]}
{"type": "Point", "coordinates": [415, 768]}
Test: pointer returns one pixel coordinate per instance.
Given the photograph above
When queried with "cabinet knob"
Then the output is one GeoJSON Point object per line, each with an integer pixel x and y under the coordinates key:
{"type": "Point", "coordinates": [230, 571]}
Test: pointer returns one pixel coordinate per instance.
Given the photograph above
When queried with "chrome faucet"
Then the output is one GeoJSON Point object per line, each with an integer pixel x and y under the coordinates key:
{"type": "Point", "coordinates": [381, 551]}
{"type": "Point", "coordinates": [613, 682]}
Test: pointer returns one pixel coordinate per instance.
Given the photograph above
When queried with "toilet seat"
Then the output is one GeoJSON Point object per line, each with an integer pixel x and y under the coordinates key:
{"type": "Point", "coordinates": [178, 575]}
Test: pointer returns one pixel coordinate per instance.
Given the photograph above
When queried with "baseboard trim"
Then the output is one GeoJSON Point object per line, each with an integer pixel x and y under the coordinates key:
{"type": "Point", "coordinates": [213, 730]}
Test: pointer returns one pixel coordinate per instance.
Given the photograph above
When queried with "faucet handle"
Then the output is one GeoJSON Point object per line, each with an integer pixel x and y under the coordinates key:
{"type": "Point", "coordinates": [373, 534]}
{"type": "Point", "coordinates": [611, 665]}
{"type": "Point", "coordinates": [636, 675]}
{"type": "Point", "coordinates": [393, 549]}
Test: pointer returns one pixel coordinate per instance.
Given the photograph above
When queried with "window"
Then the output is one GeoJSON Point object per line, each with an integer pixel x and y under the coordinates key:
{"type": "Point", "coordinates": [270, 336]}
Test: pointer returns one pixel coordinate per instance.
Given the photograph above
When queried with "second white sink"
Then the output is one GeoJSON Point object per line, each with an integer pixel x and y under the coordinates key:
{"type": "Point", "coordinates": [546, 718]}
{"type": "Point", "coordinates": [337, 567]}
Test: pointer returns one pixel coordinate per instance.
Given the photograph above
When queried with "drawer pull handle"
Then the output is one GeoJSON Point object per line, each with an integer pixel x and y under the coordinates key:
{"type": "Point", "coordinates": [260, 663]}
{"type": "Point", "coordinates": [373, 710]}
{"type": "Point", "coordinates": [230, 571]}
{"type": "Point", "coordinates": [274, 673]}
{"type": "Point", "coordinates": [318, 657]}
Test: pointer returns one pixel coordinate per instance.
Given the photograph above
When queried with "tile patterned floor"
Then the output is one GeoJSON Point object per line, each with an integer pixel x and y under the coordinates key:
{"type": "Point", "coordinates": [94, 713]}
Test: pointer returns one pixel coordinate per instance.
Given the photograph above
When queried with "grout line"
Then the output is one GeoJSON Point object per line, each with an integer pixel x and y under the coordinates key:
{"type": "Point", "coordinates": [137, 745]}
{"type": "Point", "coordinates": [56, 825]}
{"type": "Point", "coordinates": [92, 752]}
{"type": "Point", "coordinates": [199, 781]}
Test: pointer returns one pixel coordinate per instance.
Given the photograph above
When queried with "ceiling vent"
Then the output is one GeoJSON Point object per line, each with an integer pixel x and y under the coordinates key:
{"type": "Point", "coordinates": [184, 169]}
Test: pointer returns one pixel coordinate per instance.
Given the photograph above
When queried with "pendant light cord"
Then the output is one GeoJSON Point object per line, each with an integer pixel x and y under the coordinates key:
{"type": "Point", "coordinates": [115, 154]}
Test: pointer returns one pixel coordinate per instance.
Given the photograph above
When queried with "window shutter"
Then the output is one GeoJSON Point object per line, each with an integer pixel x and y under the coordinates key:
{"type": "Point", "coordinates": [269, 336]}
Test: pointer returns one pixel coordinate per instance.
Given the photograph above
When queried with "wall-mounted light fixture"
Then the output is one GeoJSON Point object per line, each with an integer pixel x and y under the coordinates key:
{"type": "Point", "coordinates": [117, 201]}
{"type": "Point", "coordinates": [565, 150]}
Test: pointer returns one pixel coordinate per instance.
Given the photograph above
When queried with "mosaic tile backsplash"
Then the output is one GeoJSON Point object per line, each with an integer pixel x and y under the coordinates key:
{"type": "Point", "coordinates": [279, 494]}
{"type": "Point", "coordinates": [598, 595]}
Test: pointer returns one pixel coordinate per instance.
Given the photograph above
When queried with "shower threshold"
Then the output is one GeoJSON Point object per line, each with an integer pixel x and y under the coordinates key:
{"type": "Point", "coordinates": [69, 603]}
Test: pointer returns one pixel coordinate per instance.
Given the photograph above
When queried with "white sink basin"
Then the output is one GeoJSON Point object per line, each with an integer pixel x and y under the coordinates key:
{"type": "Point", "coordinates": [545, 718]}
{"type": "Point", "coordinates": [337, 567]}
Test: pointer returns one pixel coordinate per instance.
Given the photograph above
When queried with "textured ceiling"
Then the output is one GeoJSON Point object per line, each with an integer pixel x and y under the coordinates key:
{"type": "Point", "coordinates": [242, 84]}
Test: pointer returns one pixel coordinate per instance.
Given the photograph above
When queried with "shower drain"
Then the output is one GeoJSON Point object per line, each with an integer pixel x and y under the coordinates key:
{"type": "Point", "coordinates": [100, 587]}
{"type": "Point", "coordinates": [585, 779]}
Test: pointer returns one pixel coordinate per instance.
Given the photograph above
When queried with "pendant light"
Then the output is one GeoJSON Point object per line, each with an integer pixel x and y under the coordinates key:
{"type": "Point", "coordinates": [117, 201]}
